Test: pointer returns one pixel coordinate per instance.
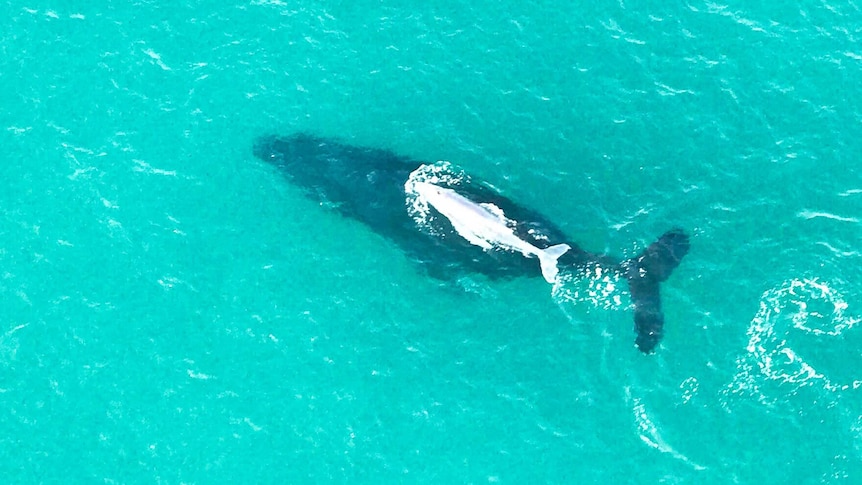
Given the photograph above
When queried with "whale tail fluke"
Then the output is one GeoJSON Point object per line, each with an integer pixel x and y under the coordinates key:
{"type": "Point", "coordinates": [644, 274]}
{"type": "Point", "coordinates": [548, 259]}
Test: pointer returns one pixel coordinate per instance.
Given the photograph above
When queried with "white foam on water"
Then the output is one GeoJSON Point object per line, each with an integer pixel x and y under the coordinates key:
{"type": "Point", "coordinates": [595, 286]}
{"type": "Point", "coordinates": [802, 307]}
{"type": "Point", "coordinates": [648, 431]}
{"type": "Point", "coordinates": [775, 373]}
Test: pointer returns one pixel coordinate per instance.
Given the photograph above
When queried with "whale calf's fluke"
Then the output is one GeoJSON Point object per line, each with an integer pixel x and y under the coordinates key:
{"type": "Point", "coordinates": [450, 224]}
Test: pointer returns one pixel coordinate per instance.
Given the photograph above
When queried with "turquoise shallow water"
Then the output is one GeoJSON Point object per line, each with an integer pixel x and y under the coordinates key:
{"type": "Point", "coordinates": [176, 312]}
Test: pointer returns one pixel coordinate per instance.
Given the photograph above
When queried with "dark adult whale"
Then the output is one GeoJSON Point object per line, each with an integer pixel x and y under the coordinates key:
{"type": "Point", "coordinates": [451, 225]}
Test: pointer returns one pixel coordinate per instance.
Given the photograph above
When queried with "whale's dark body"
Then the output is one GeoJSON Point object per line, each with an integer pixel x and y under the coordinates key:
{"type": "Point", "coordinates": [368, 184]}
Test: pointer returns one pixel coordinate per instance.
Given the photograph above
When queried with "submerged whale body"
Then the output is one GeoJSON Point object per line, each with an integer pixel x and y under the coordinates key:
{"type": "Point", "coordinates": [451, 225]}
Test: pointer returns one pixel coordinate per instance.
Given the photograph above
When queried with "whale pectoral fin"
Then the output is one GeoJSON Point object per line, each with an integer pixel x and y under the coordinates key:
{"type": "Point", "coordinates": [644, 274]}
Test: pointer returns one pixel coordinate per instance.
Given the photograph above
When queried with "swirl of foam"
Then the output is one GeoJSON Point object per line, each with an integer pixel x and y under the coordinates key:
{"type": "Point", "coordinates": [806, 305]}
{"type": "Point", "coordinates": [804, 311]}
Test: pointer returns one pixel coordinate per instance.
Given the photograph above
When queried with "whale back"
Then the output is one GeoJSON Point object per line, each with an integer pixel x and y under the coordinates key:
{"type": "Point", "coordinates": [368, 184]}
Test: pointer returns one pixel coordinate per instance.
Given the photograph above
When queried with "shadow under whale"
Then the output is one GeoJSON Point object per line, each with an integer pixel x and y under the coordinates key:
{"type": "Point", "coordinates": [374, 186]}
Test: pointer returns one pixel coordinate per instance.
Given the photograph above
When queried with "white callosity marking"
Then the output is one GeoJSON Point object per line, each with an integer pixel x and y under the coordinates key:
{"type": "Point", "coordinates": [484, 225]}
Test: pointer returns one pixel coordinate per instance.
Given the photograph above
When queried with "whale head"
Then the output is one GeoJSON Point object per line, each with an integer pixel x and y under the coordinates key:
{"type": "Point", "coordinates": [363, 182]}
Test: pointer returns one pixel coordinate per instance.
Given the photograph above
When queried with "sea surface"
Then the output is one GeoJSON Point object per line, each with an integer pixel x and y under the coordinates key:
{"type": "Point", "coordinates": [175, 311]}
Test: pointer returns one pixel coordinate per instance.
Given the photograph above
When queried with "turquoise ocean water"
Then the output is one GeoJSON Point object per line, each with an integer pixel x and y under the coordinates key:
{"type": "Point", "coordinates": [174, 311]}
